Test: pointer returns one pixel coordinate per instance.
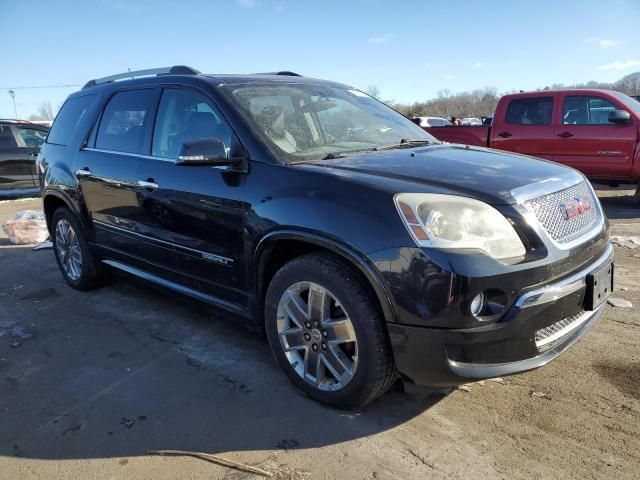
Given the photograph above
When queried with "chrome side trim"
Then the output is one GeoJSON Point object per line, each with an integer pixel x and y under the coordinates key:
{"type": "Point", "coordinates": [205, 255]}
{"type": "Point", "coordinates": [137, 155]}
{"type": "Point", "coordinates": [547, 186]}
{"type": "Point", "coordinates": [554, 291]}
{"type": "Point", "coordinates": [492, 370]}
{"type": "Point", "coordinates": [145, 184]}
{"type": "Point", "coordinates": [223, 168]}
{"type": "Point", "coordinates": [177, 287]}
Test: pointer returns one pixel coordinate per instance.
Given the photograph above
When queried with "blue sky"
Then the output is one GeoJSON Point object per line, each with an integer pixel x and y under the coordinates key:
{"type": "Point", "coordinates": [409, 49]}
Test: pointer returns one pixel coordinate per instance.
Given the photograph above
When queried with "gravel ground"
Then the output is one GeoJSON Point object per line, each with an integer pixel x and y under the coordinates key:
{"type": "Point", "coordinates": [90, 381]}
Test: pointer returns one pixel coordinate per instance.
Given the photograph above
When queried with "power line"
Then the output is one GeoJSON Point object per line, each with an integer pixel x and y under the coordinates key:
{"type": "Point", "coordinates": [40, 86]}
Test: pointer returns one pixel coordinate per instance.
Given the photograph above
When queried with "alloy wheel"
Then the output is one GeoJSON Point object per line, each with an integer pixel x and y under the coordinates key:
{"type": "Point", "coordinates": [68, 249]}
{"type": "Point", "coordinates": [317, 336]}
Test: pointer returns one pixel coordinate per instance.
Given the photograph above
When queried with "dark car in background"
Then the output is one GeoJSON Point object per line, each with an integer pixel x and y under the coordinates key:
{"type": "Point", "coordinates": [20, 143]}
{"type": "Point", "coordinates": [367, 250]}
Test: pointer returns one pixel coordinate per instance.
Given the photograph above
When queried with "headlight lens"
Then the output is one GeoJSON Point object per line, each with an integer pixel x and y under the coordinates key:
{"type": "Point", "coordinates": [448, 221]}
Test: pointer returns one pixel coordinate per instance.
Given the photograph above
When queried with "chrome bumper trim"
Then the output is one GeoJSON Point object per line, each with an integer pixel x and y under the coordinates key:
{"type": "Point", "coordinates": [492, 370]}
{"type": "Point", "coordinates": [554, 291]}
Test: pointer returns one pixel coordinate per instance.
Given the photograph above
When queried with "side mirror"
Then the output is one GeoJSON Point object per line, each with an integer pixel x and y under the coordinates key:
{"type": "Point", "coordinates": [207, 151]}
{"type": "Point", "coordinates": [620, 117]}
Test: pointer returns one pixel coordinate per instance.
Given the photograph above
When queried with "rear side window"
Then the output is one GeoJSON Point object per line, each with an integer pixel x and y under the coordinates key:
{"type": "Point", "coordinates": [68, 119]}
{"type": "Point", "coordinates": [124, 120]}
{"type": "Point", "coordinates": [530, 111]}
{"type": "Point", "coordinates": [582, 110]}
{"type": "Point", "coordinates": [6, 137]}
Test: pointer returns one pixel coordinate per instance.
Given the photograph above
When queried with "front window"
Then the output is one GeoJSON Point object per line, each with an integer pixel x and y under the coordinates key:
{"type": "Point", "coordinates": [583, 110]}
{"type": "Point", "coordinates": [185, 116]}
{"type": "Point", "coordinates": [310, 122]}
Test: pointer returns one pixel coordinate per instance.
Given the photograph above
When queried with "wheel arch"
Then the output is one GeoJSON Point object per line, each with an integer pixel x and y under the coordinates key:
{"type": "Point", "coordinates": [277, 248]}
{"type": "Point", "coordinates": [54, 199]}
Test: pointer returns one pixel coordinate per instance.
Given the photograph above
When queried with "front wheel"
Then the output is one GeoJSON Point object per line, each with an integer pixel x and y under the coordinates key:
{"type": "Point", "coordinates": [326, 333]}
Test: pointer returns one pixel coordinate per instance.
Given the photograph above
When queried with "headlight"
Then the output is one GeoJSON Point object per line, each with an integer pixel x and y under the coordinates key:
{"type": "Point", "coordinates": [447, 221]}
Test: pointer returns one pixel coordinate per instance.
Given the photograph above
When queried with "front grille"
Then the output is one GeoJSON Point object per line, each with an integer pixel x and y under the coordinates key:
{"type": "Point", "coordinates": [550, 212]}
{"type": "Point", "coordinates": [549, 336]}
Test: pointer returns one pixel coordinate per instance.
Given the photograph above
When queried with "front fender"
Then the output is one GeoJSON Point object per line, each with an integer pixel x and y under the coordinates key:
{"type": "Point", "coordinates": [356, 259]}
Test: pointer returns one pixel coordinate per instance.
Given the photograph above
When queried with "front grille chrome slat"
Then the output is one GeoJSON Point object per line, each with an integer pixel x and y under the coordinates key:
{"type": "Point", "coordinates": [550, 210]}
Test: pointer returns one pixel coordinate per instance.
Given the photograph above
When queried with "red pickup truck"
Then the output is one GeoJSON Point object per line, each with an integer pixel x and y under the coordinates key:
{"type": "Point", "coordinates": [594, 131]}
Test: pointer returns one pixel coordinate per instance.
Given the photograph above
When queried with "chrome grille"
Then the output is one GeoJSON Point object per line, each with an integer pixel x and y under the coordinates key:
{"type": "Point", "coordinates": [546, 337]}
{"type": "Point", "coordinates": [549, 210]}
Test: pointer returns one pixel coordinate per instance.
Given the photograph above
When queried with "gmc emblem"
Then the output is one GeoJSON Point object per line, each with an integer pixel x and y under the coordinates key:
{"type": "Point", "coordinates": [575, 207]}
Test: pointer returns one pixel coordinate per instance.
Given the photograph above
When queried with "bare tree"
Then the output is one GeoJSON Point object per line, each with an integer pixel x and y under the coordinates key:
{"type": "Point", "coordinates": [373, 91]}
{"type": "Point", "coordinates": [43, 112]}
{"type": "Point", "coordinates": [482, 102]}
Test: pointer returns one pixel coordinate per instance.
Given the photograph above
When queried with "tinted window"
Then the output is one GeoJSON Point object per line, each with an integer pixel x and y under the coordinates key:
{"type": "Point", "coordinates": [185, 116]}
{"type": "Point", "coordinates": [32, 137]}
{"type": "Point", "coordinates": [586, 111]}
{"type": "Point", "coordinates": [71, 114]}
{"type": "Point", "coordinates": [123, 121]}
{"type": "Point", "coordinates": [530, 111]}
{"type": "Point", "coordinates": [6, 137]}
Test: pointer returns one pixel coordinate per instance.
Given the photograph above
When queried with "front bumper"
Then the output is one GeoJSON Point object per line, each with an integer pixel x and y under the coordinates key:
{"type": "Point", "coordinates": [542, 323]}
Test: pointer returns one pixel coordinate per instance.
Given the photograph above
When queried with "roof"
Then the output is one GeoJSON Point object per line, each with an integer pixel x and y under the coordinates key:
{"type": "Point", "coordinates": [562, 90]}
{"type": "Point", "coordinates": [23, 122]}
{"type": "Point", "coordinates": [159, 75]}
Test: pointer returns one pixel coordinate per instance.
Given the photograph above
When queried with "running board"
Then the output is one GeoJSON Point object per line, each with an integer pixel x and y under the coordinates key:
{"type": "Point", "coordinates": [210, 299]}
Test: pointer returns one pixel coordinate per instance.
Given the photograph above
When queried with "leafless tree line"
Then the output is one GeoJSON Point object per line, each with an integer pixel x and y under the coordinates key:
{"type": "Point", "coordinates": [482, 102]}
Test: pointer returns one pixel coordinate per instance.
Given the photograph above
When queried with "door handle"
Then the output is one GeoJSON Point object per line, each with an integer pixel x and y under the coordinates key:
{"type": "Point", "coordinates": [565, 134]}
{"type": "Point", "coordinates": [83, 172]}
{"type": "Point", "coordinates": [149, 185]}
{"type": "Point", "coordinates": [505, 135]}
{"type": "Point", "coordinates": [33, 154]}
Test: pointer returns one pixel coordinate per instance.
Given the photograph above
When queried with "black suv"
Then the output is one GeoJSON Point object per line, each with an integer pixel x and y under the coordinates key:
{"type": "Point", "coordinates": [20, 143]}
{"type": "Point", "coordinates": [365, 248]}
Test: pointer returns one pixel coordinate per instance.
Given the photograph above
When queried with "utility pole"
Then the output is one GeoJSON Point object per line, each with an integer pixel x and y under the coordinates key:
{"type": "Point", "coordinates": [13, 97]}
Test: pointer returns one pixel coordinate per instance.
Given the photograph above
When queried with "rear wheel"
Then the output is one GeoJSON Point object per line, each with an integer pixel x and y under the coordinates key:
{"type": "Point", "coordinates": [77, 263]}
{"type": "Point", "coordinates": [326, 333]}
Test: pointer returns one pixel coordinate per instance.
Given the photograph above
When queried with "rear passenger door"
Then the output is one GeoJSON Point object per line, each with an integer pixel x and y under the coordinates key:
{"type": "Point", "coordinates": [585, 139]}
{"type": "Point", "coordinates": [195, 210]}
{"type": "Point", "coordinates": [107, 170]}
{"type": "Point", "coordinates": [527, 127]}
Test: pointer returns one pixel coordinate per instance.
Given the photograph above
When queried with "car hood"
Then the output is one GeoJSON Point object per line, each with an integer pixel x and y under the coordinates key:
{"type": "Point", "coordinates": [490, 175]}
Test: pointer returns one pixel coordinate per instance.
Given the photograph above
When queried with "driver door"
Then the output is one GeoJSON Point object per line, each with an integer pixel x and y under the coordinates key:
{"type": "Point", "coordinates": [586, 141]}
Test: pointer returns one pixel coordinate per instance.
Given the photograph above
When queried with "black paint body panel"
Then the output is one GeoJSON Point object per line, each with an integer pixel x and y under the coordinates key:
{"type": "Point", "coordinates": [212, 231]}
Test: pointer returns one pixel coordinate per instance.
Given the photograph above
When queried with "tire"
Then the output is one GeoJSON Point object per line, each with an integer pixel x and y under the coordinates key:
{"type": "Point", "coordinates": [351, 363]}
{"type": "Point", "coordinates": [77, 262]}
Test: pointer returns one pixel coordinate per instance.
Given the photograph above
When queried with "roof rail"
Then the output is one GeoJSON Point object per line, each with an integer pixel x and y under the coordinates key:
{"type": "Point", "coordinates": [14, 120]}
{"type": "Point", "coordinates": [175, 70]}
{"type": "Point", "coordinates": [283, 72]}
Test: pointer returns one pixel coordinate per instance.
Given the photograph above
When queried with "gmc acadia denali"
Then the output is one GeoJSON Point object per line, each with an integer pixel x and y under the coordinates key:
{"type": "Point", "coordinates": [365, 248]}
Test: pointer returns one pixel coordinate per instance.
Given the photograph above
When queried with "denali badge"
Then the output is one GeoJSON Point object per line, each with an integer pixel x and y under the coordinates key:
{"type": "Point", "coordinates": [576, 206]}
{"type": "Point", "coordinates": [216, 258]}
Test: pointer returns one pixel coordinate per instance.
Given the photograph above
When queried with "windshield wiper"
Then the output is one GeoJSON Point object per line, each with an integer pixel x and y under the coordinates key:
{"type": "Point", "coordinates": [332, 156]}
{"type": "Point", "coordinates": [406, 143]}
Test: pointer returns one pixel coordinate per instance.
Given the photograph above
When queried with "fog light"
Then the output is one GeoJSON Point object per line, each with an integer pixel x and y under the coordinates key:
{"type": "Point", "coordinates": [477, 304]}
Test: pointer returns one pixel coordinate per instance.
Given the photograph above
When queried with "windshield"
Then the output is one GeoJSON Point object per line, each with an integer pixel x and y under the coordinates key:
{"type": "Point", "coordinates": [301, 122]}
{"type": "Point", "coordinates": [628, 102]}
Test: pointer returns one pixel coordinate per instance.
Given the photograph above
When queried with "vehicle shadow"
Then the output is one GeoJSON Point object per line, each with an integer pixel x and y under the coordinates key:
{"type": "Point", "coordinates": [618, 204]}
{"type": "Point", "coordinates": [128, 368]}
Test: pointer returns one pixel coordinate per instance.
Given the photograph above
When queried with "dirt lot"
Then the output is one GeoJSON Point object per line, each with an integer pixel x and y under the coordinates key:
{"type": "Point", "coordinates": [90, 381]}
